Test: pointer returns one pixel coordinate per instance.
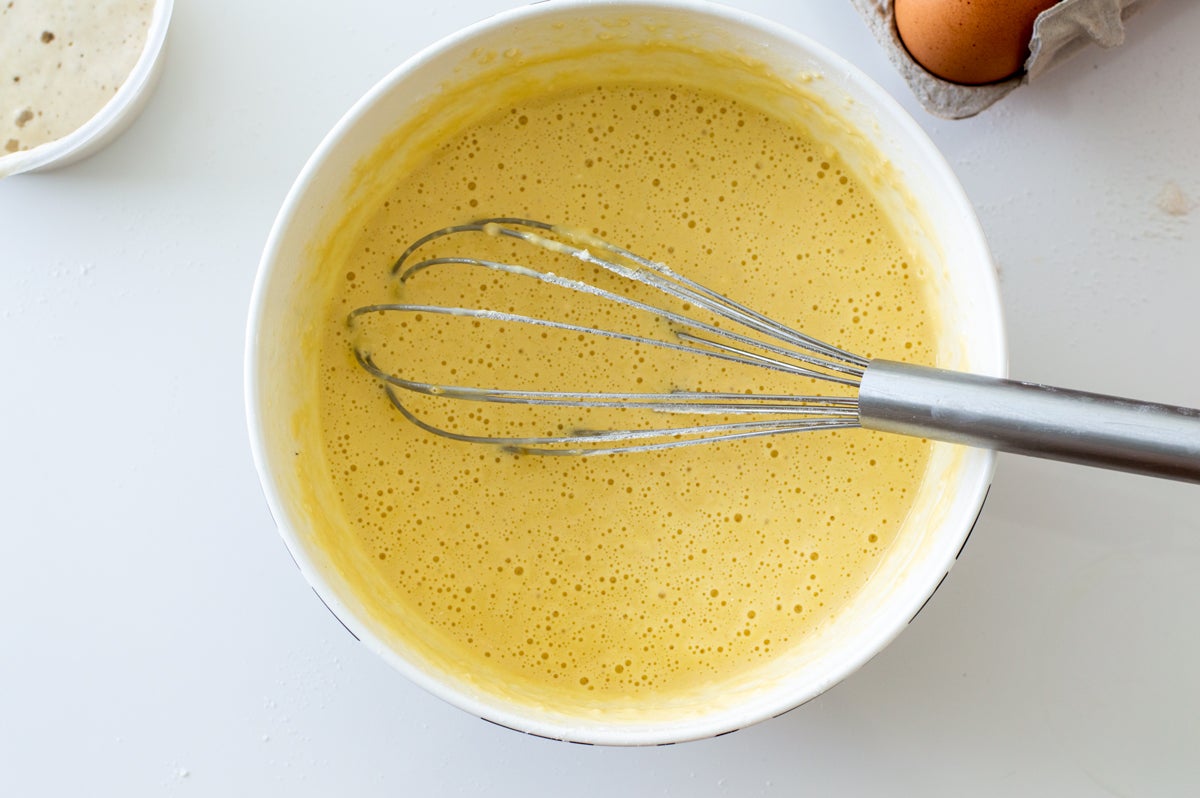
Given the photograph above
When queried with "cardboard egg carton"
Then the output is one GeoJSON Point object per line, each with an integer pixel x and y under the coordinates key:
{"type": "Point", "coordinates": [1058, 32]}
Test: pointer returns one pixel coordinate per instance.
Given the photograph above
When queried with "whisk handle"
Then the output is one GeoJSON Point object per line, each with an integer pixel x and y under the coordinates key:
{"type": "Point", "coordinates": [1037, 420]}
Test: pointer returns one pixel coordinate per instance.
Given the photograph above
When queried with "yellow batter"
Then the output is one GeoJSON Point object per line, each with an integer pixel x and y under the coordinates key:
{"type": "Point", "coordinates": [610, 581]}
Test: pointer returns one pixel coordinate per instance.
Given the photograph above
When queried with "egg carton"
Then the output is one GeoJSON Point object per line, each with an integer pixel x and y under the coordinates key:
{"type": "Point", "coordinates": [1058, 32]}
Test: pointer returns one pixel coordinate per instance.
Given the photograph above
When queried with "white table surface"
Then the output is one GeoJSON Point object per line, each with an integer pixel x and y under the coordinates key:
{"type": "Point", "coordinates": [156, 639]}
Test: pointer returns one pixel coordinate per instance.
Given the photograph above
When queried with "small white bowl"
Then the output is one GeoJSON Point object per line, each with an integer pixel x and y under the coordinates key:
{"type": "Point", "coordinates": [112, 119]}
{"type": "Point", "coordinates": [928, 203]}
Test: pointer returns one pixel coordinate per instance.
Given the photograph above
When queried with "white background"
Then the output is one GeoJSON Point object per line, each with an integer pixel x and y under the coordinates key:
{"type": "Point", "coordinates": [156, 639]}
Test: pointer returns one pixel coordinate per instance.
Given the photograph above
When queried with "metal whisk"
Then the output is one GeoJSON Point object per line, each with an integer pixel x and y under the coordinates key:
{"type": "Point", "coordinates": [1005, 415]}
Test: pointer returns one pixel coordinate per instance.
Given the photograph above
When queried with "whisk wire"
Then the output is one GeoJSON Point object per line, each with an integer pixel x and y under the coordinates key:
{"type": "Point", "coordinates": [579, 244]}
{"type": "Point", "coordinates": [554, 444]}
{"type": "Point", "coordinates": [693, 402]}
{"type": "Point", "coordinates": [592, 290]}
{"type": "Point", "coordinates": [785, 350]}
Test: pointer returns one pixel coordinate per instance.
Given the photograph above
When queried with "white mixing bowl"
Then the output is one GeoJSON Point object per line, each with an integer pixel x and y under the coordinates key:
{"type": "Point", "coordinates": [914, 184]}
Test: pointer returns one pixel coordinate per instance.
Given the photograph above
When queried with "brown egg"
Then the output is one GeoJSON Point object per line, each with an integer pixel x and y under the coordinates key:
{"type": "Point", "coordinates": [969, 41]}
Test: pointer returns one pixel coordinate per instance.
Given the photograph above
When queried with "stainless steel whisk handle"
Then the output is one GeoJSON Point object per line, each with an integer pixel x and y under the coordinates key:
{"type": "Point", "coordinates": [1030, 419]}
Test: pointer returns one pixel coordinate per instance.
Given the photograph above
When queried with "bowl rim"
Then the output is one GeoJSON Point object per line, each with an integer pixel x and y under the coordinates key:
{"type": "Point", "coordinates": [110, 117]}
{"type": "Point", "coordinates": [657, 733]}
